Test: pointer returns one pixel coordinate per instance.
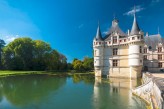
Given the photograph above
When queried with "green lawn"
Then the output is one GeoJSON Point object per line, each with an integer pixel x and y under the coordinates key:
{"type": "Point", "coordinates": [10, 73]}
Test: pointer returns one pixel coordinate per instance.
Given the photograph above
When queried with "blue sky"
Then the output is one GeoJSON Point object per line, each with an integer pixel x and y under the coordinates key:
{"type": "Point", "coordinates": [70, 25]}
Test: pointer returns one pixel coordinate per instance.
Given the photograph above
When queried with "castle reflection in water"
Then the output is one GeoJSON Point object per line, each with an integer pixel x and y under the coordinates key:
{"type": "Point", "coordinates": [116, 94]}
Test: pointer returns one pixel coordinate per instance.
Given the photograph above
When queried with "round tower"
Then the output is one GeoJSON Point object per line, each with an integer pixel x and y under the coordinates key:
{"type": "Point", "coordinates": [98, 47]}
{"type": "Point", "coordinates": [136, 43]}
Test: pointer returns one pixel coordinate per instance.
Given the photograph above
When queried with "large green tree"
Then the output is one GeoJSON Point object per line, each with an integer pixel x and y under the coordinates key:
{"type": "Point", "coordinates": [19, 54]}
{"type": "Point", "coordinates": [28, 54]}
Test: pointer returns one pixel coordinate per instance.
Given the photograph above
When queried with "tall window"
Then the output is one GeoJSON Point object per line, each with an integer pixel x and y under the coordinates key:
{"type": "Point", "coordinates": [159, 49]}
{"type": "Point", "coordinates": [159, 57]}
{"type": "Point", "coordinates": [160, 65]}
{"type": "Point", "coordinates": [115, 63]}
{"type": "Point", "coordinates": [145, 50]}
{"type": "Point", "coordinates": [145, 57]}
{"type": "Point", "coordinates": [115, 40]}
{"type": "Point", "coordinates": [133, 38]}
{"type": "Point", "coordinates": [140, 49]}
{"type": "Point", "coordinates": [141, 37]}
{"type": "Point", "coordinates": [115, 51]}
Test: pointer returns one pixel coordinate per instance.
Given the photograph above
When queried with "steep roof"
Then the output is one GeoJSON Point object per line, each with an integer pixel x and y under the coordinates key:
{"type": "Point", "coordinates": [135, 28]}
{"type": "Point", "coordinates": [114, 29]}
{"type": "Point", "coordinates": [98, 34]}
{"type": "Point", "coordinates": [153, 40]}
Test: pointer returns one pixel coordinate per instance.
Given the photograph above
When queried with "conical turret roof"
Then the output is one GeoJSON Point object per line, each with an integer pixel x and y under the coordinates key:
{"type": "Point", "coordinates": [135, 28]}
{"type": "Point", "coordinates": [98, 34]}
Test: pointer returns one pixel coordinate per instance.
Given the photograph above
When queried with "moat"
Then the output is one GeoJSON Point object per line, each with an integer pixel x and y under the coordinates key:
{"type": "Point", "coordinates": [77, 92]}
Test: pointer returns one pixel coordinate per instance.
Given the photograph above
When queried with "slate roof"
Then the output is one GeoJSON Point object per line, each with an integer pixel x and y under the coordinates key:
{"type": "Point", "coordinates": [98, 34]}
{"type": "Point", "coordinates": [114, 28]}
{"type": "Point", "coordinates": [153, 40]}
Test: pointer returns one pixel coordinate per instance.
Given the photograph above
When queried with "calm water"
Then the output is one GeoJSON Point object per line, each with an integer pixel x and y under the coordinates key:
{"type": "Point", "coordinates": [77, 92]}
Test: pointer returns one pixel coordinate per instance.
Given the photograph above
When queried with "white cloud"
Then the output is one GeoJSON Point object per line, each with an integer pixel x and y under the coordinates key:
{"type": "Point", "coordinates": [137, 9]}
{"type": "Point", "coordinates": [8, 37]}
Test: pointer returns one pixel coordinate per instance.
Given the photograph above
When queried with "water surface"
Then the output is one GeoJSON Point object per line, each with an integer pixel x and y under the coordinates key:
{"type": "Point", "coordinates": [77, 92]}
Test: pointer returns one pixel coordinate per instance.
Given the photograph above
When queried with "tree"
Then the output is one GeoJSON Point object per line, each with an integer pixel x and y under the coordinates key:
{"type": "Point", "coordinates": [17, 52]}
{"type": "Point", "coordinates": [78, 65]}
{"type": "Point", "coordinates": [40, 50]}
{"type": "Point", "coordinates": [88, 63]}
{"type": "Point", "coordinates": [2, 44]}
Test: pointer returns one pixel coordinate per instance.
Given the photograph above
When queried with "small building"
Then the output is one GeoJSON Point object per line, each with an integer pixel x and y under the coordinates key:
{"type": "Point", "coordinates": [153, 53]}
{"type": "Point", "coordinates": [125, 55]}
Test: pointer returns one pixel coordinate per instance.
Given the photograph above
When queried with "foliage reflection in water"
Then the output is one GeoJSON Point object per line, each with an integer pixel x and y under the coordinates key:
{"type": "Point", "coordinates": [76, 92]}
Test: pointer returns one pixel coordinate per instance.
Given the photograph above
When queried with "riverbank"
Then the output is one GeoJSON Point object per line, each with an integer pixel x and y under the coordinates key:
{"type": "Point", "coordinates": [54, 73]}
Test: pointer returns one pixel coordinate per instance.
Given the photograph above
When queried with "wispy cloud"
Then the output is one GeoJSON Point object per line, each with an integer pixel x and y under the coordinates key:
{"type": "Point", "coordinates": [153, 2]}
{"type": "Point", "coordinates": [15, 22]}
{"type": "Point", "coordinates": [137, 9]}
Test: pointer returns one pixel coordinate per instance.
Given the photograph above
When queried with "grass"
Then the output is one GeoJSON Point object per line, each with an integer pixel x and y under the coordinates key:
{"type": "Point", "coordinates": [12, 73]}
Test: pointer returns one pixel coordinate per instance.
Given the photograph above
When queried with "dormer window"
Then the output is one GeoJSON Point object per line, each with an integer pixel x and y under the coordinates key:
{"type": "Point", "coordinates": [115, 40]}
{"type": "Point", "coordinates": [159, 49]}
{"type": "Point", "coordinates": [145, 50]}
{"type": "Point", "coordinates": [133, 38]}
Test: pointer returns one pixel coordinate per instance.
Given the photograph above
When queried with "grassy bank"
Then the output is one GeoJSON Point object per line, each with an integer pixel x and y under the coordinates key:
{"type": "Point", "coordinates": [12, 73]}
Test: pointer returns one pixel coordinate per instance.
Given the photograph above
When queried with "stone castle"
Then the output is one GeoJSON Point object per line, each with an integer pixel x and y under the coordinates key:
{"type": "Point", "coordinates": [126, 55]}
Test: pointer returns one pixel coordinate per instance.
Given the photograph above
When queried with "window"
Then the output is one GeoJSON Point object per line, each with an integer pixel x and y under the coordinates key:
{"type": "Point", "coordinates": [160, 65]}
{"type": "Point", "coordinates": [115, 64]}
{"type": "Point", "coordinates": [159, 49]}
{"type": "Point", "coordinates": [159, 57]}
{"type": "Point", "coordinates": [133, 38]}
{"type": "Point", "coordinates": [115, 51]}
{"type": "Point", "coordinates": [96, 43]}
{"type": "Point", "coordinates": [140, 49]}
{"type": "Point", "coordinates": [120, 40]}
{"type": "Point", "coordinates": [141, 37]}
{"type": "Point", "coordinates": [105, 42]}
{"type": "Point", "coordinates": [100, 43]}
{"type": "Point", "coordinates": [109, 42]}
{"type": "Point", "coordinates": [145, 50]}
{"type": "Point", "coordinates": [145, 57]}
{"type": "Point", "coordinates": [138, 37]}
{"type": "Point", "coordinates": [124, 40]}
{"type": "Point", "coordinates": [114, 40]}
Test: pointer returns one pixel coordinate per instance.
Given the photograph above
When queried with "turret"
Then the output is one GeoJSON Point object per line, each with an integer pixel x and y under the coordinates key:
{"type": "Point", "coordinates": [98, 46]}
{"type": "Point", "coordinates": [135, 49]}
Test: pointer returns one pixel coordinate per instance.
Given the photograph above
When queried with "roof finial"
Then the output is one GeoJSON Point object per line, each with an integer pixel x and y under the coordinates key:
{"type": "Point", "coordinates": [114, 16]}
{"type": "Point", "coordinates": [134, 11]}
{"type": "Point", "coordinates": [158, 30]}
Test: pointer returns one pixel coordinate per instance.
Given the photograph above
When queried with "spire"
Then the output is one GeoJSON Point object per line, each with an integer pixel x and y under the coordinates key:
{"type": "Point", "coordinates": [158, 31]}
{"type": "Point", "coordinates": [135, 28]}
{"type": "Point", "coordinates": [98, 35]}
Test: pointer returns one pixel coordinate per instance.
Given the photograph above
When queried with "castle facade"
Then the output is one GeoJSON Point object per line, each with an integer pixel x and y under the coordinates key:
{"type": "Point", "coordinates": [125, 55]}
